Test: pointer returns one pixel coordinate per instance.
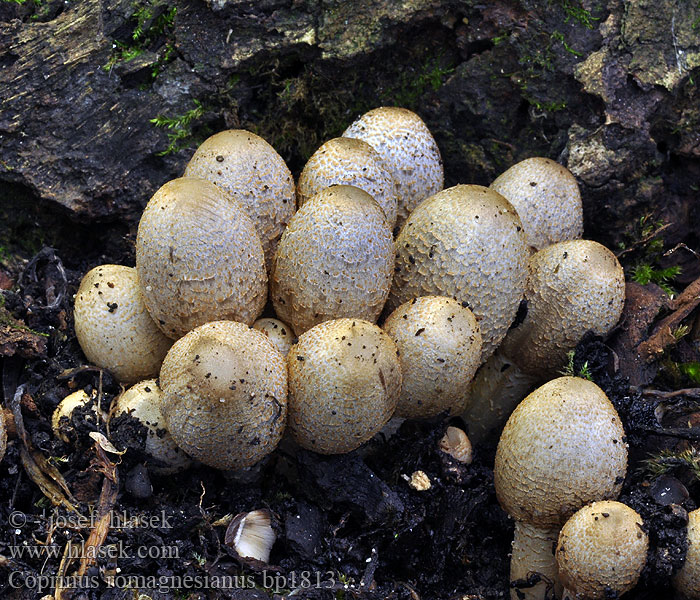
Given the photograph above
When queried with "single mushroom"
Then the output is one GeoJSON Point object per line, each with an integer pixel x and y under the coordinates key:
{"type": "Point", "coordinates": [344, 383]}
{"type": "Point", "coordinates": [456, 443]}
{"type": "Point", "coordinates": [252, 172]}
{"type": "Point", "coordinates": [439, 350]}
{"type": "Point", "coordinates": [113, 326]}
{"type": "Point", "coordinates": [280, 334]}
{"type": "Point", "coordinates": [251, 535]}
{"type": "Point", "coordinates": [572, 288]}
{"type": "Point", "coordinates": [198, 258]}
{"type": "Point", "coordinates": [547, 198]}
{"type": "Point", "coordinates": [465, 242]}
{"type": "Point", "coordinates": [563, 447]}
{"type": "Point", "coordinates": [687, 581]}
{"type": "Point", "coordinates": [62, 418]}
{"type": "Point", "coordinates": [346, 161]}
{"type": "Point", "coordinates": [601, 551]}
{"type": "Point", "coordinates": [408, 149]}
{"type": "Point", "coordinates": [335, 259]}
{"type": "Point", "coordinates": [224, 395]}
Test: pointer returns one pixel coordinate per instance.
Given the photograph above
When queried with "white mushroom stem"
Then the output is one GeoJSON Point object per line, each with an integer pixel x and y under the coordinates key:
{"type": "Point", "coordinates": [533, 554]}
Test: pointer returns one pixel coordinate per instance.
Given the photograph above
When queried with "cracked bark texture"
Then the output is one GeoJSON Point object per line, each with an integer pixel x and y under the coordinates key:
{"type": "Point", "coordinates": [609, 89]}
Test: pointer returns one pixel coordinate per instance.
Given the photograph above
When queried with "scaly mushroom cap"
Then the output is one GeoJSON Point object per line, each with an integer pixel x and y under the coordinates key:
{"type": "Point", "coordinates": [143, 401]}
{"type": "Point", "coordinates": [225, 394]}
{"type": "Point", "coordinates": [113, 326]}
{"type": "Point", "coordinates": [280, 334]}
{"type": "Point", "coordinates": [687, 580]}
{"type": "Point", "coordinates": [562, 447]}
{"type": "Point", "coordinates": [547, 198]}
{"type": "Point", "coordinates": [408, 149]}
{"type": "Point", "coordinates": [349, 162]}
{"type": "Point", "coordinates": [254, 174]}
{"type": "Point", "coordinates": [439, 349]}
{"type": "Point", "coordinates": [198, 258]}
{"type": "Point", "coordinates": [602, 548]}
{"type": "Point", "coordinates": [465, 242]}
{"type": "Point", "coordinates": [344, 383]}
{"type": "Point", "coordinates": [573, 287]}
{"type": "Point", "coordinates": [335, 259]}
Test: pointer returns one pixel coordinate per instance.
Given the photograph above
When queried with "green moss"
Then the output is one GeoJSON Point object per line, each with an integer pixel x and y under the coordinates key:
{"type": "Point", "coordinates": [645, 273]}
{"type": "Point", "coordinates": [576, 13]}
{"type": "Point", "coordinates": [179, 128]}
{"type": "Point", "coordinates": [668, 461]}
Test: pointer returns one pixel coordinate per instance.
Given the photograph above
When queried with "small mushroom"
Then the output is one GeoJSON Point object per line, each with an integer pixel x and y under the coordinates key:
{"type": "Point", "coordinates": [547, 198]}
{"type": "Point", "coordinates": [251, 535]}
{"type": "Point", "coordinates": [601, 551]}
{"type": "Point", "coordinates": [280, 334]}
{"type": "Point", "coordinates": [687, 581]}
{"type": "Point", "coordinates": [563, 447]}
{"type": "Point", "coordinates": [62, 418]}
{"type": "Point", "coordinates": [456, 443]}
{"type": "Point", "coordinates": [224, 394]}
{"type": "Point", "coordinates": [344, 383]}
{"type": "Point", "coordinates": [113, 326]}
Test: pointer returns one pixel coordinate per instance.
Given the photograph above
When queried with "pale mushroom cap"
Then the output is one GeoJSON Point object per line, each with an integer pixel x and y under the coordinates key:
{"type": "Point", "coordinates": [280, 334]}
{"type": "Point", "coordinates": [602, 548]}
{"type": "Point", "coordinates": [65, 409]}
{"type": "Point", "coordinates": [572, 287]}
{"type": "Point", "coordinates": [439, 350]}
{"type": "Point", "coordinates": [198, 258]}
{"type": "Point", "coordinates": [456, 443]}
{"type": "Point", "coordinates": [335, 259]}
{"type": "Point", "coordinates": [408, 149]}
{"type": "Point", "coordinates": [142, 401]}
{"type": "Point", "coordinates": [344, 383]}
{"type": "Point", "coordinates": [113, 326]}
{"type": "Point", "coordinates": [687, 580]}
{"type": "Point", "coordinates": [465, 242]}
{"type": "Point", "coordinates": [547, 198]}
{"type": "Point", "coordinates": [562, 447]}
{"type": "Point", "coordinates": [254, 174]}
{"type": "Point", "coordinates": [346, 161]}
{"type": "Point", "coordinates": [225, 394]}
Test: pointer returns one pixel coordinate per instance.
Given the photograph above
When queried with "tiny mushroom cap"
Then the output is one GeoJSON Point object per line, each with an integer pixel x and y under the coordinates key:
{"type": "Point", "coordinates": [113, 326]}
{"type": "Point", "coordinates": [344, 383]}
{"type": "Point", "coordinates": [456, 443]}
{"type": "Point", "coordinates": [687, 581]}
{"type": "Point", "coordinates": [439, 349]}
{"type": "Point", "coordinates": [225, 394]}
{"type": "Point", "coordinates": [602, 548]}
{"type": "Point", "coordinates": [408, 149]}
{"type": "Point", "coordinates": [280, 334]}
{"type": "Point", "coordinates": [335, 259]}
{"type": "Point", "coordinates": [251, 535]}
{"type": "Point", "coordinates": [350, 162]}
{"type": "Point", "coordinates": [142, 402]}
{"type": "Point", "coordinates": [198, 258]}
{"type": "Point", "coordinates": [465, 242]}
{"type": "Point", "coordinates": [62, 418]}
{"type": "Point", "coordinates": [547, 198]}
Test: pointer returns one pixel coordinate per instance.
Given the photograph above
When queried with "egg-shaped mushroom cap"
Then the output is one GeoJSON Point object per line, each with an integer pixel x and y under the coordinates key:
{"type": "Point", "coordinates": [465, 242]}
{"type": "Point", "coordinates": [572, 287]}
{"type": "Point", "coordinates": [347, 161]}
{"type": "Point", "coordinates": [344, 383]}
{"type": "Point", "coordinates": [547, 198]}
{"type": "Point", "coordinates": [225, 394]}
{"type": "Point", "coordinates": [563, 447]}
{"type": "Point", "coordinates": [113, 327]}
{"type": "Point", "coordinates": [335, 259]}
{"type": "Point", "coordinates": [254, 174]}
{"type": "Point", "coordinates": [280, 334]}
{"type": "Point", "coordinates": [408, 149]}
{"type": "Point", "coordinates": [142, 402]}
{"type": "Point", "coordinates": [602, 548]}
{"type": "Point", "coordinates": [439, 350]}
{"type": "Point", "coordinates": [687, 581]}
{"type": "Point", "coordinates": [198, 258]}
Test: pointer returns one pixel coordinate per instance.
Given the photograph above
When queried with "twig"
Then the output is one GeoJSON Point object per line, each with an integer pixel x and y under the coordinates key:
{"type": "Point", "coordinates": [690, 392]}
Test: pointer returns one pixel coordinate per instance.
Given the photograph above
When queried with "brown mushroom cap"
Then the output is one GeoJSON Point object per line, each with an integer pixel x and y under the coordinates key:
{"type": "Point", "coordinates": [547, 198]}
{"type": "Point", "coordinates": [335, 259]}
{"type": "Point", "coordinates": [344, 383]}
{"type": "Point", "coordinates": [439, 350]}
{"type": "Point", "coordinates": [408, 149]}
{"type": "Point", "coordinates": [562, 447]}
{"type": "Point", "coordinates": [602, 548]}
{"type": "Point", "coordinates": [348, 161]}
{"type": "Point", "coordinates": [143, 401]}
{"type": "Point", "coordinates": [254, 174]}
{"type": "Point", "coordinates": [687, 580]}
{"type": "Point", "coordinates": [198, 258]}
{"type": "Point", "coordinates": [465, 242]}
{"type": "Point", "coordinates": [225, 394]}
{"type": "Point", "coordinates": [280, 334]}
{"type": "Point", "coordinates": [113, 326]}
